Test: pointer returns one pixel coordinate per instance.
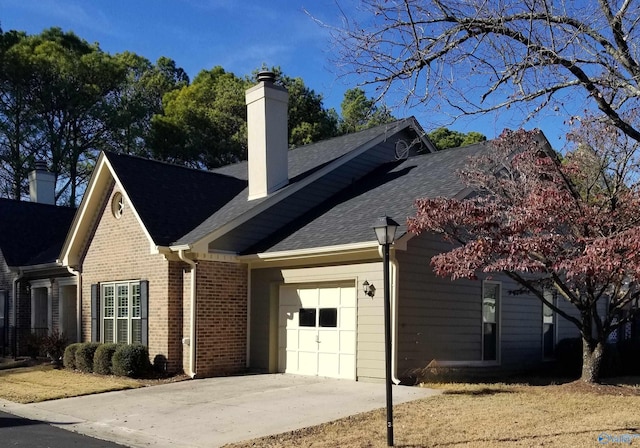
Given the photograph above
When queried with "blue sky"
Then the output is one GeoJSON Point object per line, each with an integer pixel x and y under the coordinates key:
{"type": "Point", "coordinates": [239, 35]}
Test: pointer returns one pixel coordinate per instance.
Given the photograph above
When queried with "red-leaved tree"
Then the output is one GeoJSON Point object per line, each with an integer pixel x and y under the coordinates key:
{"type": "Point", "coordinates": [570, 227]}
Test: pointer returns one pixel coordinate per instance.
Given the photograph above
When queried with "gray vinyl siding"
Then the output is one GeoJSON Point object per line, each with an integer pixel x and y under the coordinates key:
{"type": "Point", "coordinates": [370, 323]}
{"type": "Point", "coordinates": [441, 320]}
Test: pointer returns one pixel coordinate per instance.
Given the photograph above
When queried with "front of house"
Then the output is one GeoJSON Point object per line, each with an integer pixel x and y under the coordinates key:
{"type": "Point", "coordinates": [260, 265]}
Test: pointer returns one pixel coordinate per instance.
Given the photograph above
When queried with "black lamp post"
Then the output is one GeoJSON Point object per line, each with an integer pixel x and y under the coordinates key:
{"type": "Point", "coordinates": [385, 229]}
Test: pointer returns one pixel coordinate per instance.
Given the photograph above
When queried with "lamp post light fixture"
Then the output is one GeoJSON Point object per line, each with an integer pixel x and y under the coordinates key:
{"type": "Point", "coordinates": [385, 229]}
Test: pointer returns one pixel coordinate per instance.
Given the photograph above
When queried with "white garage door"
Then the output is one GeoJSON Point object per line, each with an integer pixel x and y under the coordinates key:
{"type": "Point", "coordinates": [317, 331]}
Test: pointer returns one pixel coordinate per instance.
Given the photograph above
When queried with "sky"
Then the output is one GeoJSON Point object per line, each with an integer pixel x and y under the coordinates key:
{"type": "Point", "coordinates": [238, 35]}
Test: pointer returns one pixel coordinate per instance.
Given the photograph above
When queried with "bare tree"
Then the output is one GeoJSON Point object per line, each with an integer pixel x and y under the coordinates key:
{"type": "Point", "coordinates": [478, 56]}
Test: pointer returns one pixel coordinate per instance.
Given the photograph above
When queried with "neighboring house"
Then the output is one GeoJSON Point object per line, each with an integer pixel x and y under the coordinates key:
{"type": "Point", "coordinates": [31, 237]}
{"type": "Point", "coordinates": [259, 265]}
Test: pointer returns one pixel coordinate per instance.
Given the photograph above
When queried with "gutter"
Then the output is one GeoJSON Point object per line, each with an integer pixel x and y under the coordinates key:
{"type": "Point", "coordinates": [192, 317]}
{"type": "Point", "coordinates": [15, 312]}
{"type": "Point", "coordinates": [76, 273]}
{"type": "Point", "coordinates": [394, 313]}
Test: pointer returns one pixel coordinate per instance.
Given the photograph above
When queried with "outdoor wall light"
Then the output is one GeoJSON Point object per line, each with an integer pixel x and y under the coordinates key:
{"type": "Point", "coordinates": [369, 289]}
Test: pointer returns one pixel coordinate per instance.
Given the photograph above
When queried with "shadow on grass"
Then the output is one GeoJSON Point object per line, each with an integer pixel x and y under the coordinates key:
{"type": "Point", "coordinates": [483, 391]}
{"type": "Point", "coordinates": [535, 437]}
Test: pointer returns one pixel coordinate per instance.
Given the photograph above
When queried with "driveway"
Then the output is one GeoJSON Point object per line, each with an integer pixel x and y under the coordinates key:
{"type": "Point", "coordinates": [212, 412]}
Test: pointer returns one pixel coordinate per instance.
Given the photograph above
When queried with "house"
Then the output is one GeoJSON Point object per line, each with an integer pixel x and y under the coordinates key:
{"type": "Point", "coordinates": [260, 265]}
{"type": "Point", "coordinates": [37, 295]}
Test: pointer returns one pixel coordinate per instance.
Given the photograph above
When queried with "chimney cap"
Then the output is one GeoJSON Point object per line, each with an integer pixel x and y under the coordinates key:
{"type": "Point", "coordinates": [266, 76]}
{"type": "Point", "coordinates": [40, 165]}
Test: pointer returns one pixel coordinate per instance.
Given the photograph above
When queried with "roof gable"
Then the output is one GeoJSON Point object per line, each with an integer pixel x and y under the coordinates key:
{"type": "Point", "coordinates": [32, 233]}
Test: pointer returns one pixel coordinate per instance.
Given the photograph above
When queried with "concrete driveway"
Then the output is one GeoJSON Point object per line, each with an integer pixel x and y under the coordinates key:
{"type": "Point", "coordinates": [212, 412]}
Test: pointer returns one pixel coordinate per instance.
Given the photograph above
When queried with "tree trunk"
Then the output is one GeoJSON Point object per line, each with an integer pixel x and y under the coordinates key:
{"type": "Point", "coordinates": [592, 355]}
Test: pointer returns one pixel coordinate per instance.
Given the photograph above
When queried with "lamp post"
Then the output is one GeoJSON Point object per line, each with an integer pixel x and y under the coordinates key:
{"type": "Point", "coordinates": [385, 229]}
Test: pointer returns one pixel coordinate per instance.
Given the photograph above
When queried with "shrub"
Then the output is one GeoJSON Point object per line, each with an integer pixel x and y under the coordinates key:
{"type": "Point", "coordinates": [69, 357]}
{"type": "Point", "coordinates": [54, 345]}
{"type": "Point", "coordinates": [102, 358]}
{"type": "Point", "coordinates": [84, 356]}
{"type": "Point", "coordinates": [131, 360]}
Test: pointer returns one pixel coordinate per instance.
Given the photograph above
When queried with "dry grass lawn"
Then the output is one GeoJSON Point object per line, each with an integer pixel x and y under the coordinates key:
{"type": "Point", "coordinates": [485, 415]}
{"type": "Point", "coordinates": [41, 383]}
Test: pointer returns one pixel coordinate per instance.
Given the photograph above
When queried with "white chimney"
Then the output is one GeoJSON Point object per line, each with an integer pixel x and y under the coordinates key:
{"type": "Point", "coordinates": [42, 184]}
{"type": "Point", "coordinates": [268, 136]}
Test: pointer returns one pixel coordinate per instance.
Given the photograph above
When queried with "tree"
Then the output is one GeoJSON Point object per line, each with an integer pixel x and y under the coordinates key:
{"type": "Point", "coordinates": [479, 56]}
{"type": "Point", "coordinates": [137, 99]}
{"type": "Point", "coordinates": [308, 120]}
{"type": "Point", "coordinates": [529, 221]}
{"type": "Point", "coordinates": [18, 120]}
{"type": "Point", "coordinates": [444, 138]}
{"type": "Point", "coordinates": [204, 123]}
{"type": "Point", "coordinates": [360, 112]}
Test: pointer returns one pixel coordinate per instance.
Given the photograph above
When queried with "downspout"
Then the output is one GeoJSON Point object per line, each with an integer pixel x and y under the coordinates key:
{"type": "Point", "coordinates": [76, 273]}
{"type": "Point", "coordinates": [248, 355]}
{"type": "Point", "coordinates": [192, 318]}
{"type": "Point", "coordinates": [394, 313]}
{"type": "Point", "coordinates": [15, 312]}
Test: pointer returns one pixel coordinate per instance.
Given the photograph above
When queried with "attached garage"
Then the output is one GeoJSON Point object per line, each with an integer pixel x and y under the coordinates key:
{"type": "Point", "coordinates": [317, 330]}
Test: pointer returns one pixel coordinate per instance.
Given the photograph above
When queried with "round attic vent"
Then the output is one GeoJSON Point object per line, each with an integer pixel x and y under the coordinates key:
{"type": "Point", "coordinates": [117, 205]}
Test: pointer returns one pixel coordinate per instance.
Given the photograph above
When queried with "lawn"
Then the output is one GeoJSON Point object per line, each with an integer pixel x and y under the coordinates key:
{"type": "Point", "coordinates": [43, 382]}
{"type": "Point", "coordinates": [488, 415]}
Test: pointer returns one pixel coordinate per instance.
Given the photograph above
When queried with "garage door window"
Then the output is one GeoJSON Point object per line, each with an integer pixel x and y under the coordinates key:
{"type": "Point", "coordinates": [328, 317]}
{"type": "Point", "coordinates": [307, 317]}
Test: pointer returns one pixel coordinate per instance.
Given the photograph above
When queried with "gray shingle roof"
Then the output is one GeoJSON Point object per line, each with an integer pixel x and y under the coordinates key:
{"type": "Point", "coordinates": [171, 200]}
{"type": "Point", "coordinates": [302, 162]}
{"type": "Point", "coordinates": [32, 233]}
{"type": "Point", "coordinates": [390, 190]}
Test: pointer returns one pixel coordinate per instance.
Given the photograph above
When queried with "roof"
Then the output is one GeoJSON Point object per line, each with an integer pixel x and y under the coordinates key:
{"type": "Point", "coordinates": [32, 233]}
{"type": "Point", "coordinates": [389, 190]}
{"type": "Point", "coordinates": [303, 162]}
{"type": "Point", "coordinates": [171, 200]}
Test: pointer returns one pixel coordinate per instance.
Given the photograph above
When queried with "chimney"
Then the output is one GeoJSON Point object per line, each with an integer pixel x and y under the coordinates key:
{"type": "Point", "coordinates": [42, 184]}
{"type": "Point", "coordinates": [268, 136]}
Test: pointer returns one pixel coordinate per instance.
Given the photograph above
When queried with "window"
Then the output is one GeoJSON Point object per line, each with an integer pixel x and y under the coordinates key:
{"type": "Point", "coordinates": [548, 325]}
{"type": "Point", "coordinates": [327, 317]}
{"type": "Point", "coordinates": [490, 321]}
{"type": "Point", "coordinates": [121, 312]}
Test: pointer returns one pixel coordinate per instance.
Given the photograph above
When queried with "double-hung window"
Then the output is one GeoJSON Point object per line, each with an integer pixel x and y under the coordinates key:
{"type": "Point", "coordinates": [121, 316]}
{"type": "Point", "coordinates": [120, 312]}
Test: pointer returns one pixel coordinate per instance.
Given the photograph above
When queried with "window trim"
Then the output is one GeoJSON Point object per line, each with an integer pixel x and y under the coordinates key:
{"type": "Point", "coordinates": [498, 314]}
{"type": "Point", "coordinates": [554, 301]}
{"type": "Point", "coordinates": [115, 318]}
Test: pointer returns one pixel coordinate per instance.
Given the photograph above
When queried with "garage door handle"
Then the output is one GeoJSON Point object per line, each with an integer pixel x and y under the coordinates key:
{"type": "Point", "coordinates": [317, 339]}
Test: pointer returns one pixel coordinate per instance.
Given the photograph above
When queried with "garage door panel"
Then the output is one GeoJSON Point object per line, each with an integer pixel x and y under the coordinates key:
{"type": "Point", "coordinates": [325, 343]}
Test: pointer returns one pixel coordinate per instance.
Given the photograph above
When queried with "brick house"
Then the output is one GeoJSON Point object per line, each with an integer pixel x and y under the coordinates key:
{"type": "Point", "coordinates": [37, 295]}
{"type": "Point", "coordinates": [260, 265]}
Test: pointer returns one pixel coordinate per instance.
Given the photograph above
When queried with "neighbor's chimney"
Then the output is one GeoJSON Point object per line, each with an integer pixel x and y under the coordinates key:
{"type": "Point", "coordinates": [42, 184]}
{"type": "Point", "coordinates": [267, 133]}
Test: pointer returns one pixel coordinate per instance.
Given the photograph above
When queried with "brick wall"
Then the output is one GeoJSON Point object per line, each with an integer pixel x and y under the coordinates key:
{"type": "Point", "coordinates": [120, 250]}
{"type": "Point", "coordinates": [221, 318]}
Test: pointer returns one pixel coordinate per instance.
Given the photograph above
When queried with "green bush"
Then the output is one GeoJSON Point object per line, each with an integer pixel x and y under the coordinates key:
{"type": "Point", "coordinates": [69, 357]}
{"type": "Point", "coordinates": [84, 356]}
{"type": "Point", "coordinates": [102, 358]}
{"type": "Point", "coordinates": [131, 360]}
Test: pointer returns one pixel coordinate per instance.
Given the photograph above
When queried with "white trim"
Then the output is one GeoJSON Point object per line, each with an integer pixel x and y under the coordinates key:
{"type": "Point", "coordinates": [314, 251]}
{"type": "Point", "coordinates": [248, 343]}
{"type": "Point", "coordinates": [498, 322]}
{"type": "Point", "coordinates": [40, 284]}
